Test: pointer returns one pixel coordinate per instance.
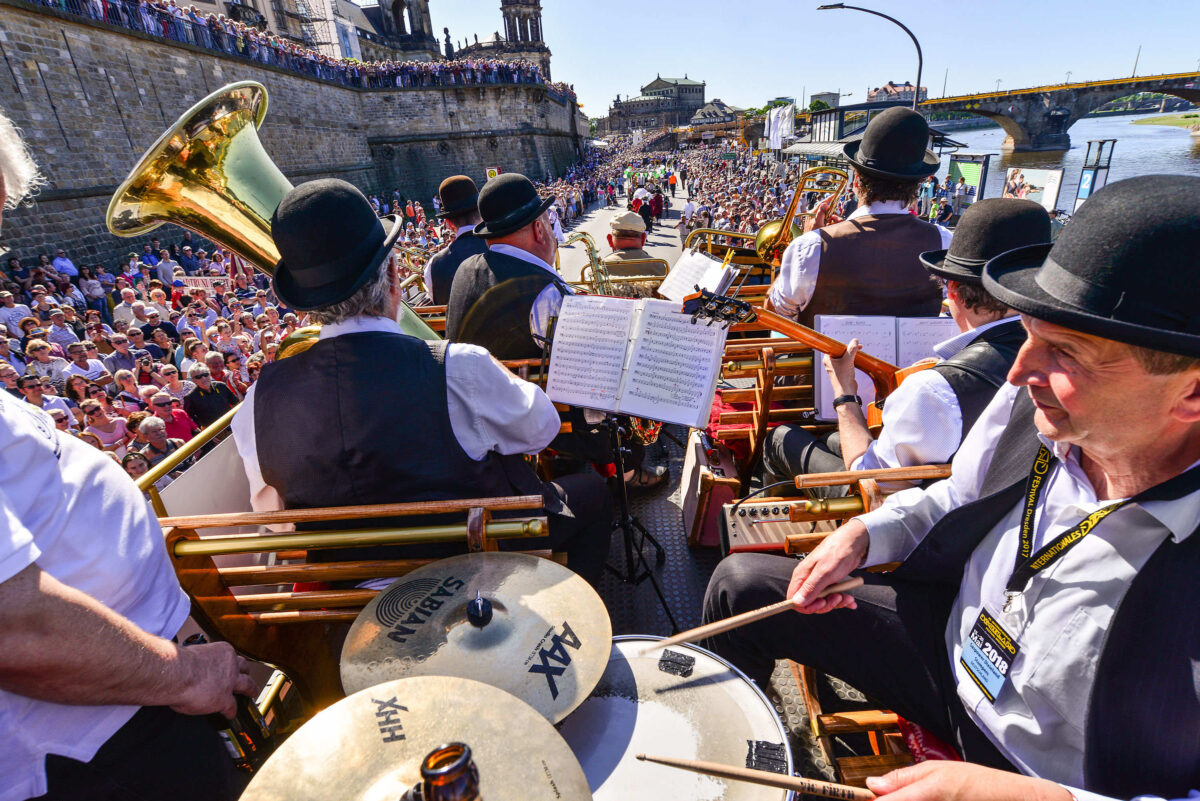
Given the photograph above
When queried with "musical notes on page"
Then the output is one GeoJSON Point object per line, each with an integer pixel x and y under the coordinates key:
{"type": "Point", "coordinates": [673, 370]}
{"type": "Point", "coordinates": [877, 335]}
{"type": "Point", "coordinates": [916, 336]}
{"type": "Point", "coordinates": [696, 268]}
{"type": "Point", "coordinates": [588, 355]}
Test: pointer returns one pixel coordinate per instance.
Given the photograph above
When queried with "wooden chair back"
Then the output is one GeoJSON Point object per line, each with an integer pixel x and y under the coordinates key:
{"type": "Point", "coordinates": [256, 609]}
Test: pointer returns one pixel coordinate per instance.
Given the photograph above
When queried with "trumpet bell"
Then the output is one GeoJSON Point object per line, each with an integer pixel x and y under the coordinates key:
{"type": "Point", "coordinates": [769, 245]}
{"type": "Point", "coordinates": [209, 173]}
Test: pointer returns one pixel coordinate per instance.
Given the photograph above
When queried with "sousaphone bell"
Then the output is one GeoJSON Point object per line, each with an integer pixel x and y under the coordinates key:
{"type": "Point", "coordinates": [210, 174]}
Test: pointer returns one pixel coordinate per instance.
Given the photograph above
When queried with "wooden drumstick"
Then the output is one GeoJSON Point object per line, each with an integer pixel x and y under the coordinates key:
{"type": "Point", "coordinates": [730, 623]}
{"type": "Point", "coordinates": [811, 786]}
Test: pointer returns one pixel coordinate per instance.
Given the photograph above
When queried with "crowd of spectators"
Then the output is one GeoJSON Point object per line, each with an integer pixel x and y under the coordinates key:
{"type": "Point", "coordinates": [137, 360]}
{"type": "Point", "coordinates": [184, 23]}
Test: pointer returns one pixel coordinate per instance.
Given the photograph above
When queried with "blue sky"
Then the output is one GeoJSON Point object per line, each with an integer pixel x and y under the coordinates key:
{"type": "Point", "coordinates": [750, 51]}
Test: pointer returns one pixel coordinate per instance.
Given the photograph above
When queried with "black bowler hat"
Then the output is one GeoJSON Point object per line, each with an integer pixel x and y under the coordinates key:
{"type": "Point", "coordinates": [894, 146]}
{"type": "Point", "coordinates": [330, 243]}
{"type": "Point", "coordinates": [1125, 268]}
{"type": "Point", "coordinates": [458, 194]}
{"type": "Point", "coordinates": [508, 203]}
{"type": "Point", "coordinates": [985, 230]}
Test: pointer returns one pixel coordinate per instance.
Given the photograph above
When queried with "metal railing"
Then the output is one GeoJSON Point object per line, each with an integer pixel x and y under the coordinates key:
{"type": "Point", "coordinates": [269, 49]}
{"type": "Point", "coordinates": [147, 482]}
{"type": "Point", "coordinates": [1058, 87]}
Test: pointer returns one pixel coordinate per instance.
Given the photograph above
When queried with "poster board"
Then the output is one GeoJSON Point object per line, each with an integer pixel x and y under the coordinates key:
{"type": "Point", "coordinates": [1040, 186]}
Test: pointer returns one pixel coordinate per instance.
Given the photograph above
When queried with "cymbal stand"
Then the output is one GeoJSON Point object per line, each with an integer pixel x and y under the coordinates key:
{"type": "Point", "coordinates": [636, 569]}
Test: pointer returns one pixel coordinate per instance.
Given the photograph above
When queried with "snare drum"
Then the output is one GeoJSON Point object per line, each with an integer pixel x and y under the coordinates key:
{"type": "Point", "coordinates": [683, 702]}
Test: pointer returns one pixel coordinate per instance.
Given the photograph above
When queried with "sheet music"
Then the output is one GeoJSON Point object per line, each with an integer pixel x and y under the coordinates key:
{"type": "Point", "coordinates": [916, 336]}
{"type": "Point", "coordinates": [877, 335]}
{"type": "Point", "coordinates": [673, 367]}
{"type": "Point", "coordinates": [588, 356]}
{"type": "Point", "coordinates": [694, 268]}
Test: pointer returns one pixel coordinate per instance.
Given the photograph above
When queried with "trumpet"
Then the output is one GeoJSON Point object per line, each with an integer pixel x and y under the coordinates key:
{"type": "Point", "coordinates": [774, 236]}
{"type": "Point", "coordinates": [210, 174]}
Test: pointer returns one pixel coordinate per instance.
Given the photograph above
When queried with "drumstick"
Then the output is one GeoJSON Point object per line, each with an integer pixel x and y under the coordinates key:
{"type": "Point", "coordinates": [729, 623]}
{"type": "Point", "coordinates": [810, 786]}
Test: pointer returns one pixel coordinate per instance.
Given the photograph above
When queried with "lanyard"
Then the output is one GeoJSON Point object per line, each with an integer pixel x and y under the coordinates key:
{"type": "Point", "coordinates": [1029, 564]}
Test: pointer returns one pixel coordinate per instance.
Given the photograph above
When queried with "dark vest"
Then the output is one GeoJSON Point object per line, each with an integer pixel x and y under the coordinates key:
{"type": "Point", "coordinates": [981, 368]}
{"type": "Point", "coordinates": [445, 263]}
{"type": "Point", "coordinates": [869, 265]}
{"type": "Point", "coordinates": [490, 302]}
{"type": "Point", "coordinates": [363, 419]}
{"type": "Point", "coordinates": [1143, 730]}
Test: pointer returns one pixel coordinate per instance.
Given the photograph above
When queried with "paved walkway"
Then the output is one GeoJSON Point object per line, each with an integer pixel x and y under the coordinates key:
{"type": "Point", "coordinates": [663, 243]}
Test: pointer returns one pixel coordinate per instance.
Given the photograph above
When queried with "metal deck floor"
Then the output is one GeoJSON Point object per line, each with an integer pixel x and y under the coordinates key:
{"type": "Point", "coordinates": [683, 578]}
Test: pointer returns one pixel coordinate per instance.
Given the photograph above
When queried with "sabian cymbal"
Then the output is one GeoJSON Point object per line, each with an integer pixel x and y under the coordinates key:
{"type": "Point", "coordinates": [547, 640]}
{"type": "Point", "coordinates": [369, 747]}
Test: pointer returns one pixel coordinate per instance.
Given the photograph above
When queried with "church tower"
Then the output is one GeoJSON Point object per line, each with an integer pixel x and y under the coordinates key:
{"type": "Point", "coordinates": [522, 20]}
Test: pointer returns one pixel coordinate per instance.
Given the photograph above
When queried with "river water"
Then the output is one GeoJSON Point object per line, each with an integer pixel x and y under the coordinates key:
{"type": "Point", "coordinates": [1140, 150]}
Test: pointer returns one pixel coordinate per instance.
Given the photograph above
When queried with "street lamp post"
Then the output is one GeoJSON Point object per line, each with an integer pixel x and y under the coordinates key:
{"type": "Point", "coordinates": [920, 57]}
{"type": "Point", "coordinates": [1068, 76]}
{"type": "Point", "coordinates": [997, 84]}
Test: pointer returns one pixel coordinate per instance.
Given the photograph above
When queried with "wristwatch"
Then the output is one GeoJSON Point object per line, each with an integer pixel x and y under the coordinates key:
{"type": "Point", "coordinates": [840, 399]}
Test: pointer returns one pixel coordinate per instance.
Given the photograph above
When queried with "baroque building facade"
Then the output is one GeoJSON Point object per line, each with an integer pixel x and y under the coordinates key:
{"type": "Point", "coordinates": [662, 102]}
{"type": "Point", "coordinates": [522, 39]}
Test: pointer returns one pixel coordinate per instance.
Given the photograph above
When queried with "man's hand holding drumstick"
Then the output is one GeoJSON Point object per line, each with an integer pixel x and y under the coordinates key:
{"type": "Point", "coordinates": [838, 555]}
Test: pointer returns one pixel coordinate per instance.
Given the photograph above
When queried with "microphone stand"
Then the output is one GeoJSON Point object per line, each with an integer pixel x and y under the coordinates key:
{"type": "Point", "coordinates": [636, 569]}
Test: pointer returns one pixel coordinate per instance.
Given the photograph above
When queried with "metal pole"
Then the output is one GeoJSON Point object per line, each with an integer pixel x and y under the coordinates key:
{"type": "Point", "coordinates": [945, 78]}
{"type": "Point", "coordinates": [920, 56]}
{"type": "Point", "coordinates": [1136, 59]}
{"type": "Point", "coordinates": [1068, 76]}
{"type": "Point", "coordinates": [998, 84]}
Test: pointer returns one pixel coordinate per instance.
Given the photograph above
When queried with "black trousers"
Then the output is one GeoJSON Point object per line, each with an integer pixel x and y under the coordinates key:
{"type": "Point", "coordinates": [587, 534]}
{"type": "Point", "coordinates": [159, 754]}
{"type": "Point", "coordinates": [891, 647]}
{"type": "Point", "coordinates": [791, 451]}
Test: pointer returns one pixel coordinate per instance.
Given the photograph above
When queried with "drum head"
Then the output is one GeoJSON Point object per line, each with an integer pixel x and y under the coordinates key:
{"type": "Point", "coordinates": [683, 702]}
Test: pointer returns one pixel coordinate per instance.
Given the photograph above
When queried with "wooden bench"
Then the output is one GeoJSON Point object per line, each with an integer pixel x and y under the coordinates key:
{"type": "Point", "coordinates": [256, 609]}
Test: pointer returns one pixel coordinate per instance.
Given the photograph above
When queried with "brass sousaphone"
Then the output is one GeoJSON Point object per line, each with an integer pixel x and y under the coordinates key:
{"type": "Point", "coordinates": [210, 174]}
{"type": "Point", "coordinates": [774, 236]}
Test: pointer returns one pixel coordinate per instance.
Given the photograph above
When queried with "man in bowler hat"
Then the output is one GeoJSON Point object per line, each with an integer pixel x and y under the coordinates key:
{"type": "Point", "coordinates": [503, 300]}
{"type": "Point", "coordinates": [1045, 619]}
{"type": "Point", "coordinates": [926, 418]}
{"type": "Point", "coordinates": [868, 263]}
{"type": "Point", "coordinates": [322, 428]}
{"type": "Point", "coordinates": [459, 210]}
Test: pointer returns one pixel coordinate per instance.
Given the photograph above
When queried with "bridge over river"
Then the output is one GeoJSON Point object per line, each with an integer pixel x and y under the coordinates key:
{"type": "Point", "coordinates": [1038, 118]}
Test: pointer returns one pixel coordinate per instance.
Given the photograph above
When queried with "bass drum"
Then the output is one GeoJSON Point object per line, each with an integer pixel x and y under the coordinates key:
{"type": "Point", "coordinates": [683, 702]}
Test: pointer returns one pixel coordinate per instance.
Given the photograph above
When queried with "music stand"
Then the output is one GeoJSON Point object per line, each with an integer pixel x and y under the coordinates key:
{"type": "Point", "coordinates": [634, 534]}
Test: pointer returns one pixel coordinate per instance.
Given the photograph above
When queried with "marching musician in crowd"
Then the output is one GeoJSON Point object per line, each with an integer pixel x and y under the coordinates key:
{"type": "Point", "coordinates": [504, 299]}
{"type": "Point", "coordinates": [925, 419]}
{"type": "Point", "coordinates": [97, 702]}
{"type": "Point", "coordinates": [371, 415]}
{"type": "Point", "coordinates": [868, 263]}
{"type": "Point", "coordinates": [1044, 617]}
{"type": "Point", "coordinates": [459, 210]}
{"type": "Point", "coordinates": [628, 242]}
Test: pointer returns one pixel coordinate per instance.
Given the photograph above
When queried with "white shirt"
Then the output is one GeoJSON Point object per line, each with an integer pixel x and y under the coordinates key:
{"type": "Point", "coordinates": [689, 209]}
{"type": "Point", "coordinates": [549, 301]}
{"type": "Point", "coordinates": [801, 262]}
{"type": "Point", "coordinates": [428, 273]}
{"type": "Point", "coordinates": [95, 368]}
{"type": "Point", "coordinates": [10, 316]}
{"type": "Point", "coordinates": [922, 421]}
{"type": "Point", "coordinates": [1039, 718]}
{"type": "Point", "coordinates": [490, 408]}
{"type": "Point", "coordinates": [70, 509]}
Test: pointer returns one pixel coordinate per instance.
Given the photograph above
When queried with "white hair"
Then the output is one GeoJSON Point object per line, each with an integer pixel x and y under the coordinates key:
{"type": "Point", "coordinates": [18, 172]}
{"type": "Point", "coordinates": [370, 300]}
{"type": "Point", "coordinates": [151, 423]}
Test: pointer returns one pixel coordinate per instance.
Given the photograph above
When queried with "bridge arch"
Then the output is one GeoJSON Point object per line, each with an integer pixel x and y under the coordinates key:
{"type": "Point", "coordinates": [1039, 118]}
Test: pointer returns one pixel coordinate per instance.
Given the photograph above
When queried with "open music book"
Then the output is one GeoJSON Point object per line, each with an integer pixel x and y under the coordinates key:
{"type": "Point", "coordinates": [638, 357]}
{"type": "Point", "coordinates": [900, 340]}
{"type": "Point", "coordinates": [697, 269]}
